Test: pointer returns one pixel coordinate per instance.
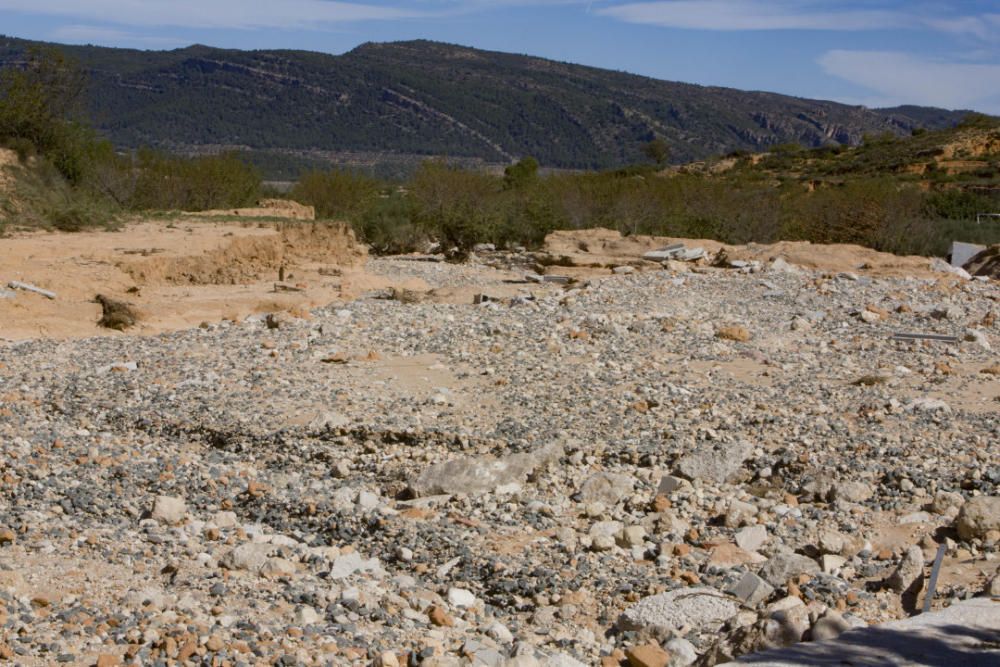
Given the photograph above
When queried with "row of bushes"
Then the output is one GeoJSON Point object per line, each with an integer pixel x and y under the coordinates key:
{"type": "Point", "coordinates": [460, 208]}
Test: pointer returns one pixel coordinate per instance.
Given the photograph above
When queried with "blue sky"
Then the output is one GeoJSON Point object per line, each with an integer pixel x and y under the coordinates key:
{"type": "Point", "coordinates": [872, 52]}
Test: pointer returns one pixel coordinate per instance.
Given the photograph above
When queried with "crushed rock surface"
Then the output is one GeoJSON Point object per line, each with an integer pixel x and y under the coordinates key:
{"type": "Point", "coordinates": [430, 483]}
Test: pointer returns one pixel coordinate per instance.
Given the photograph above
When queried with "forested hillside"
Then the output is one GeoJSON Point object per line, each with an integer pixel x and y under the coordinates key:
{"type": "Point", "coordinates": [414, 99]}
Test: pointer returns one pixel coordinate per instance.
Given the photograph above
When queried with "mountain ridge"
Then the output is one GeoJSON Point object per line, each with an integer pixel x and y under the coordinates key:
{"type": "Point", "coordinates": [421, 98]}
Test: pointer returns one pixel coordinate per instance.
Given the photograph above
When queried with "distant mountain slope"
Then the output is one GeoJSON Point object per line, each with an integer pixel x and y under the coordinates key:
{"type": "Point", "coordinates": [427, 98]}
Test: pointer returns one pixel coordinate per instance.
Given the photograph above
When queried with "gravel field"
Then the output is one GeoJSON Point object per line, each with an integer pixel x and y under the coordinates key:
{"type": "Point", "coordinates": [655, 468]}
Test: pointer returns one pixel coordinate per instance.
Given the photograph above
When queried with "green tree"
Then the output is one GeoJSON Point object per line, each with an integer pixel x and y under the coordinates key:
{"type": "Point", "coordinates": [657, 150]}
{"type": "Point", "coordinates": [521, 173]}
{"type": "Point", "coordinates": [40, 102]}
{"type": "Point", "coordinates": [337, 193]}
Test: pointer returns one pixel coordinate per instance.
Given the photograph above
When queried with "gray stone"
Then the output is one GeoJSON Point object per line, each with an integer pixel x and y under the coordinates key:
{"type": "Point", "coordinates": [830, 563]}
{"type": "Point", "coordinates": [306, 615]}
{"type": "Point", "coordinates": [830, 626]}
{"type": "Point", "coordinates": [715, 462]}
{"type": "Point", "coordinates": [348, 564]}
{"type": "Point", "coordinates": [701, 608]}
{"type": "Point", "coordinates": [168, 509]}
{"type": "Point", "coordinates": [780, 265]}
{"type": "Point", "coordinates": [606, 487]}
{"type": "Point", "coordinates": [751, 538]}
{"type": "Point", "coordinates": [854, 492]}
{"type": "Point", "coordinates": [250, 556]}
{"type": "Point", "coordinates": [782, 567]}
{"type": "Point", "coordinates": [664, 253]}
{"type": "Point", "coordinates": [909, 575]}
{"type": "Point", "coordinates": [459, 597]}
{"type": "Point", "coordinates": [669, 484]}
{"type": "Point", "coordinates": [979, 516]}
{"type": "Point", "coordinates": [831, 541]}
{"type": "Point", "coordinates": [476, 476]}
{"type": "Point", "coordinates": [751, 589]}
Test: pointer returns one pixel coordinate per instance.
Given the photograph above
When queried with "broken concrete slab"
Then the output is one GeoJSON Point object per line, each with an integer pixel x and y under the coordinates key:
{"type": "Point", "coordinates": [664, 253]}
{"type": "Point", "coordinates": [961, 252]}
{"type": "Point", "coordinates": [700, 608]}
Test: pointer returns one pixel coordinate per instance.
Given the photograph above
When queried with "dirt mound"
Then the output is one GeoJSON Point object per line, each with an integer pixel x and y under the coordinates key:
{"type": "Point", "coordinates": [266, 208]}
{"type": "Point", "coordinates": [176, 274]}
{"type": "Point", "coordinates": [601, 248]}
{"type": "Point", "coordinates": [246, 259]}
{"type": "Point", "coordinates": [986, 263]}
{"type": "Point", "coordinates": [971, 144]}
{"type": "Point", "coordinates": [837, 258]}
{"type": "Point", "coordinates": [115, 314]}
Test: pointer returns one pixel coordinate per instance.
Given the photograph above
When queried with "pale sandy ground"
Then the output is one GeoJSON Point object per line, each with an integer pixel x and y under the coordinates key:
{"type": "Point", "coordinates": [181, 272]}
{"type": "Point", "coordinates": [186, 271]}
{"type": "Point", "coordinates": [605, 247]}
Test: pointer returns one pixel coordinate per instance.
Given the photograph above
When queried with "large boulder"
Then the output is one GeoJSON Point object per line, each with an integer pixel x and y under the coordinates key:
{"type": "Point", "coordinates": [782, 567]}
{"type": "Point", "coordinates": [169, 510]}
{"type": "Point", "coordinates": [978, 517]}
{"type": "Point", "coordinates": [700, 608]}
{"type": "Point", "coordinates": [606, 487]}
{"type": "Point", "coordinates": [715, 462]}
{"type": "Point", "coordinates": [477, 475]}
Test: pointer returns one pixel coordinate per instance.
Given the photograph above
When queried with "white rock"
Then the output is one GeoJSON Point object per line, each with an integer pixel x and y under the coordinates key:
{"type": "Point", "coordinates": [831, 563]}
{"type": "Point", "coordinates": [751, 538]}
{"type": "Point", "coordinates": [306, 615]}
{"type": "Point", "coordinates": [682, 652]}
{"type": "Point", "coordinates": [169, 509]}
{"type": "Point", "coordinates": [499, 632]}
{"type": "Point", "coordinates": [250, 556]}
{"type": "Point", "coordinates": [701, 608]}
{"type": "Point", "coordinates": [459, 597]}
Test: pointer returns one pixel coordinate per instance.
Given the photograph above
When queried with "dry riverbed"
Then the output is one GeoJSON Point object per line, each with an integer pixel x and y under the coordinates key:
{"type": "Point", "coordinates": [662, 467]}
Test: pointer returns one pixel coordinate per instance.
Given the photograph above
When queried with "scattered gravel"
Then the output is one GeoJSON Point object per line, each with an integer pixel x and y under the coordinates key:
{"type": "Point", "coordinates": [554, 479]}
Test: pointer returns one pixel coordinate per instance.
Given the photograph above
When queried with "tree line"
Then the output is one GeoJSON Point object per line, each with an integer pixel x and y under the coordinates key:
{"type": "Point", "coordinates": [84, 181]}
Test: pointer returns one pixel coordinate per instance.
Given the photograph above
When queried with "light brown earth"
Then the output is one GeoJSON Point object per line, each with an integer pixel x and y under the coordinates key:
{"type": "Point", "coordinates": [177, 274]}
{"type": "Point", "coordinates": [607, 247]}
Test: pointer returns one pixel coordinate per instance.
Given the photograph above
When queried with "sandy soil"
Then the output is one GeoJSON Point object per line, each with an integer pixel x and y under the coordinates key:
{"type": "Point", "coordinates": [177, 274]}
{"type": "Point", "coordinates": [605, 247]}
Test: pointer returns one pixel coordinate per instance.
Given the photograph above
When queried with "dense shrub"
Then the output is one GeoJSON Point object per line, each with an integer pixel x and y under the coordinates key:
{"type": "Point", "coordinates": [337, 193]}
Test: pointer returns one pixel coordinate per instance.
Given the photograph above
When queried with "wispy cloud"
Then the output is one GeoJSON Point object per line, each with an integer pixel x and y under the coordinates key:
{"type": "Point", "coordinates": [287, 14]}
{"type": "Point", "coordinates": [825, 15]}
{"type": "Point", "coordinates": [899, 78]}
{"type": "Point", "coordinates": [92, 34]}
{"type": "Point", "coordinates": [733, 15]}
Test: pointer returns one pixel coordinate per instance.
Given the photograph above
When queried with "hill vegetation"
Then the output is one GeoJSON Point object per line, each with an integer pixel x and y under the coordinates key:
{"type": "Point", "coordinates": [909, 194]}
{"type": "Point", "coordinates": [396, 104]}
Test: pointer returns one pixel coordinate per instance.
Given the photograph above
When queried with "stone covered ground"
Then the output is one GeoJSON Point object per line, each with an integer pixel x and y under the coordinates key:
{"type": "Point", "coordinates": [661, 467]}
